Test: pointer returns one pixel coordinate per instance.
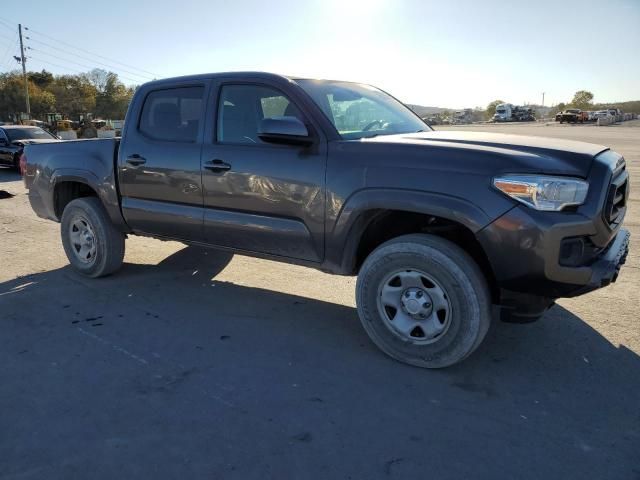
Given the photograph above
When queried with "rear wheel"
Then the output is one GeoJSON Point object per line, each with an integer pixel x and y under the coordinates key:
{"type": "Point", "coordinates": [93, 245]}
{"type": "Point", "coordinates": [423, 301]}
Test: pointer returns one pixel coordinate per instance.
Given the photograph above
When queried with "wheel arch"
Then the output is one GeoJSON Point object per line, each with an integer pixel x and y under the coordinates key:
{"type": "Point", "coordinates": [68, 184]}
{"type": "Point", "coordinates": [371, 218]}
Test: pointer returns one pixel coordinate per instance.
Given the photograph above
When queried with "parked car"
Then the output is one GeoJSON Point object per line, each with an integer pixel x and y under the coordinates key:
{"type": "Point", "coordinates": [13, 138]}
{"type": "Point", "coordinates": [602, 114]}
{"type": "Point", "coordinates": [616, 113]}
{"type": "Point", "coordinates": [573, 115]}
{"type": "Point", "coordinates": [439, 226]}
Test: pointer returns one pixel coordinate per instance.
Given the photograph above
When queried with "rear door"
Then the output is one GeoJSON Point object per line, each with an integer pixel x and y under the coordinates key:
{"type": "Point", "coordinates": [159, 162]}
{"type": "Point", "coordinates": [262, 197]}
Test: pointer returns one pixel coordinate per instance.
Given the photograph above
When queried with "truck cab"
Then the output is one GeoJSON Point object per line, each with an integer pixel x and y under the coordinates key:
{"type": "Point", "coordinates": [504, 111]}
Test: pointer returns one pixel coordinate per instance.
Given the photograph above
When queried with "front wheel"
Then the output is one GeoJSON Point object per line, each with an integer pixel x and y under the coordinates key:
{"type": "Point", "coordinates": [423, 301]}
{"type": "Point", "coordinates": [94, 246]}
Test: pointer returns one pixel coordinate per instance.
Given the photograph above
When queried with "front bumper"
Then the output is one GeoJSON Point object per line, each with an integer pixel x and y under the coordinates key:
{"type": "Point", "coordinates": [524, 248]}
{"type": "Point", "coordinates": [607, 266]}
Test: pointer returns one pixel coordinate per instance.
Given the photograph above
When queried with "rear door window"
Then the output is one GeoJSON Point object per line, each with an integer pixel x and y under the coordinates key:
{"type": "Point", "coordinates": [173, 115]}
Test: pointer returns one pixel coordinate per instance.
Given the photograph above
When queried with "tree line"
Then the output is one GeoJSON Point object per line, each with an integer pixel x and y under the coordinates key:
{"type": "Point", "coordinates": [582, 99]}
{"type": "Point", "coordinates": [97, 92]}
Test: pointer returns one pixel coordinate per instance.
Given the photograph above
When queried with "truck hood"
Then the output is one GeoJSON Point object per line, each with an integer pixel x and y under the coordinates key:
{"type": "Point", "coordinates": [509, 153]}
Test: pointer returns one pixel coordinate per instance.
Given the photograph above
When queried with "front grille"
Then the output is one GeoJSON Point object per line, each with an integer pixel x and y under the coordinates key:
{"type": "Point", "coordinates": [616, 203]}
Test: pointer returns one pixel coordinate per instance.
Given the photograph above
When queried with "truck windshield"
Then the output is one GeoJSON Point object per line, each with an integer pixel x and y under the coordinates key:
{"type": "Point", "coordinates": [361, 111]}
{"type": "Point", "coordinates": [27, 134]}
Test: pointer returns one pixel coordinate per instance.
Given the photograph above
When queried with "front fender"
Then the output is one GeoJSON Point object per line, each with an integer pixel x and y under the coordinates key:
{"type": "Point", "coordinates": [354, 217]}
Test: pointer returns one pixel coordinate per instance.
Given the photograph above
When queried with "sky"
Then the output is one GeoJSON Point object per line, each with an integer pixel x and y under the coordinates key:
{"type": "Point", "coordinates": [446, 53]}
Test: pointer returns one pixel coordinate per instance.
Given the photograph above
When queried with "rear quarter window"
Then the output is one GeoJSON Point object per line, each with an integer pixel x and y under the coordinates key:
{"type": "Point", "coordinates": [172, 115]}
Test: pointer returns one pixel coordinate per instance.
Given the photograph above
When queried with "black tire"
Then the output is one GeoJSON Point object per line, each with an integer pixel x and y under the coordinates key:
{"type": "Point", "coordinates": [458, 275]}
{"type": "Point", "coordinates": [108, 241]}
{"type": "Point", "coordinates": [16, 163]}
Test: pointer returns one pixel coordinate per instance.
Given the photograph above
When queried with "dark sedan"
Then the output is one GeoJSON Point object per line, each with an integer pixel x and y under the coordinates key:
{"type": "Point", "coordinates": [13, 138]}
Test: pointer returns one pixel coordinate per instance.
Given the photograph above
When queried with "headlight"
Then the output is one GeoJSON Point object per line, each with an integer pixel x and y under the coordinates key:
{"type": "Point", "coordinates": [543, 192]}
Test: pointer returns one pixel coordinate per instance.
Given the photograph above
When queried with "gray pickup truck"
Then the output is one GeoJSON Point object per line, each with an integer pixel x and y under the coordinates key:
{"type": "Point", "coordinates": [440, 227]}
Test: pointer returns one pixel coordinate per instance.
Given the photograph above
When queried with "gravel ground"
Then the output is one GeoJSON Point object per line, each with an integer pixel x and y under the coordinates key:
{"type": "Point", "coordinates": [186, 366]}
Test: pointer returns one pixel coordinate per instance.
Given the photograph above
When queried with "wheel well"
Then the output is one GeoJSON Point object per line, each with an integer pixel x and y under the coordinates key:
{"type": "Point", "coordinates": [66, 191]}
{"type": "Point", "coordinates": [387, 224]}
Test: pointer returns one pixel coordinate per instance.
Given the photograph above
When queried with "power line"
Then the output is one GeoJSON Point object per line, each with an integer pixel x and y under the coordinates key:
{"type": "Point", "coordinates": [153, 75]}
{"type": "Point", "coordinates": [74, 70]}
{"type": "Point", "coordinates": [7, 54]}
{"type": "Point", "coordinates": [8, 38]}
{"type": "Point", "coordinates": [144, 78]}
{"type": "Point", "coordinates": [7, 22]}
{"type": "Point", "coordinates": [76, 63]}
{"type": "Point", "coordinates": [13, 42]}
{"type": "Point", "coordinates": [9, 46]}
{"type": "Point", "coordinates": [7, 26]}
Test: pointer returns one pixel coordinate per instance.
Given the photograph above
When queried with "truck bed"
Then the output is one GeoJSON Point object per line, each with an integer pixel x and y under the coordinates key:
{"type": "Point", "coordinates": [90, 161]}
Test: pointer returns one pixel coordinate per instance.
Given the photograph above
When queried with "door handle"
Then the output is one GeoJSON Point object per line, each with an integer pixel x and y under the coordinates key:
{"type": "Point", "coordinates": [136, 160]}
{"type": "Point", "coordinates": [217, 165]}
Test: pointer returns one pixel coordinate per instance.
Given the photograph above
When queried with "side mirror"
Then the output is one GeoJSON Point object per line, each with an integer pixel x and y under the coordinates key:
{"type": "Point", "coordinates": [285, 130]}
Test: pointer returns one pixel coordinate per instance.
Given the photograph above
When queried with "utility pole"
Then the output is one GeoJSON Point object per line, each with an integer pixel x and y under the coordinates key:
{"type": "Point", "coordinates": [543, 98]}
{"type": "Point", "coordinates": [23, 60]}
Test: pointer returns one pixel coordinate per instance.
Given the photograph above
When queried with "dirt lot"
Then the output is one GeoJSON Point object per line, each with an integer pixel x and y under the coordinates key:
{"type": "Point", "coordinates": [175, 369]}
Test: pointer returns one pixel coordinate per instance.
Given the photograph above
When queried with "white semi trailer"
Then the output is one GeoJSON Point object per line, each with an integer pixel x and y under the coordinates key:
{"type": "Point", "coordinates": [506, 112]}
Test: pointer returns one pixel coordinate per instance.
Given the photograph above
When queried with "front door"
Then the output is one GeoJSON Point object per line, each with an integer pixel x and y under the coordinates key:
{"type": "Point", "coordinates": [159, 164]}
{"type": "Point", "coordinates": [262, 197]}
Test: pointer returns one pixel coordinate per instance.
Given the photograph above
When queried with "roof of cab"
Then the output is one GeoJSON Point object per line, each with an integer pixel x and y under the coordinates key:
{"type": "Point", "coordinates": [208, 76]}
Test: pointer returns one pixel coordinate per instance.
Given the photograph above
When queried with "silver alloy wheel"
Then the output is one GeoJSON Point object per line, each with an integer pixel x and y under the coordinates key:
{"type": "Point", "coordinates": [414, 306]}
{"type": "Point", "coordinates": [83, 239]}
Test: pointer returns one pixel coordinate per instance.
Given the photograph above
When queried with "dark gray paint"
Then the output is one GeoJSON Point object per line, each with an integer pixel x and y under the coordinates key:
{"type": "Point", "coordinates": [311, 204]}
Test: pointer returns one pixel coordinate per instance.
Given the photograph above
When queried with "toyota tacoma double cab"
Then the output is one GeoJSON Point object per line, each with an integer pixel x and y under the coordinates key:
{"type": "Point", "coordinates": [445, 230]}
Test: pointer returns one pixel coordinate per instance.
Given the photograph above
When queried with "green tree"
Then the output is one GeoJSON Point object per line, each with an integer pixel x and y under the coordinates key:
{"type": "Point", "coordinates": [42, 102]}
{"type": "Point", "coordinates": [112, 102]}
{"type": "Point", "coordinates": [99, 92]}
{"type": "Point", "coordinates": [583, 100]}
{"type": "Point", "coordinates": [491, 108]}
{"type": "Point", "coordinates": [75, 95]}
{"type": "Point", "coordinates": [42, 79]}
{"type": "Point", "coordinates": [12, 97]}
{"type": "Point", "coordinates": [99, 78]}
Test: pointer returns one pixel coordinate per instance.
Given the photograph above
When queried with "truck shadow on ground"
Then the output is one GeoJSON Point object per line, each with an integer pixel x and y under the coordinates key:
{"type": "Point", "coordinates": [557, 384]}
